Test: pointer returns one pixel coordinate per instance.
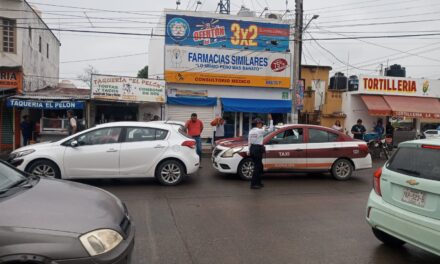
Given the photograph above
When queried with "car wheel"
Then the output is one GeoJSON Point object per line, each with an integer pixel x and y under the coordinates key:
{"type": "Point", "coordinates": [170, 172]}
{"type": "Point", "coordinates": [342, 169]}
{"type": "Point", "coordinates": [45, 168]}
{"type": "Point", "coordinates": [387, 239]}
{"type": "Point", "coordinates": [246, 169]}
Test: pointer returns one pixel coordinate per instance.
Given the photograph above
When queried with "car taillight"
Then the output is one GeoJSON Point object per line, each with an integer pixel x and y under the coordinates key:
{"type": "Point", "coordinates": [376, 181]}
{"type": "Point", "coordinates": [189, 144]}
{"type": "Point", "coordinates": [430, 146]}
{"type": "Point", "coordinates": [363, 148]}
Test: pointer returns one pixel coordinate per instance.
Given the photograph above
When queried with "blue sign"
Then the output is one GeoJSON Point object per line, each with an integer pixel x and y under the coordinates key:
{"type": "Point", "coordinates": [225, 33]}
{"type": "Point", "coordinates": [36, 104]}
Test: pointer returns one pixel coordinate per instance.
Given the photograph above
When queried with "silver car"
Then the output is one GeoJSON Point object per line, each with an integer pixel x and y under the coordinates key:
{"type": "Point", "coordinates": [44, 220]}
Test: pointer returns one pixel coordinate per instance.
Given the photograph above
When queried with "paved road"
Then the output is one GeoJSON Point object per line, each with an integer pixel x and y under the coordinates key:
{"type": "Point", "coordinates": [212, 218]}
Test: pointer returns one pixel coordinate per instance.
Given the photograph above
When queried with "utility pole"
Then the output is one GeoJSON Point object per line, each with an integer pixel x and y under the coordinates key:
{"type": "Point", "coordinates": [297, 43]}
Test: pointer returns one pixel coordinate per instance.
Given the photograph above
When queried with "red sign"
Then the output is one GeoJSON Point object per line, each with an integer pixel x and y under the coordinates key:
{"type": "Point", "coordinates": [279, 65]}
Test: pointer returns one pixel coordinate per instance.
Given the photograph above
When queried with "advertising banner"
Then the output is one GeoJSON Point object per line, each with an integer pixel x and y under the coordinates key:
{"type": "Point", "coordinates": [399, 86]}
{"type": "Point", "coordinates": [120, 88]}
{"type": "Point", "coordinates": [227, 67]}
{"type": "Point", "coordinates": [11, 79]}
{"type": "Point", "coordinates": [37, 104]}
{"type": "Point", "coordinates": [233, 34]}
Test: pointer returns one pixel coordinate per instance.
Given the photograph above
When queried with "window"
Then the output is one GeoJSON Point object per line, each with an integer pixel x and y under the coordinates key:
{"type": "Point", "coordinates": [30, 33]}
{"type": "Point", "coordinates": [321, 136]}
{"type": "Point", "coordinates": [9, 36]}
{"type": "Point", "coordinates": [100, 136]}
{"type": "Point", "coordinates": [290, 136]}
{"type": "Point", "coordinates": [39, 44]}
{"type": "Point", "coordinates": [136, 134]}
{"type": "Point", "coordinates": [417, 162]}
{"type": "Point", "coordinates": [47, 50]}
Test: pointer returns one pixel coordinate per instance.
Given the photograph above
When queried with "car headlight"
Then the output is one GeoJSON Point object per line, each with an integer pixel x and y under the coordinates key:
{"type": "Point", "coordinates": [22, 153]}
{"type": "Point", "coordinates": [230, 152]}
{"type": "Point", "coordinates": [100, 241]}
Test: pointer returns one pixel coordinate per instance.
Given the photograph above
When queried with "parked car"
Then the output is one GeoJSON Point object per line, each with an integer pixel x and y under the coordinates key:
{"type": "Point", "coordinates": [403, 206]}
{"type": "Point", "coordinates": [54, 221]}
{"type": "Point", "coordinates": [114, 150]}
{"type": "Point", "coordinates": [431, 133]}
{"type": "Point", "coordinates": [296, 148]}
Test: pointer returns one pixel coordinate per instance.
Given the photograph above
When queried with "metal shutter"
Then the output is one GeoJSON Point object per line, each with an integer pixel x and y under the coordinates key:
{"type": "Point", "coordinates": [183, 113]}
{"type": "Point", "coordinates": [6, 126]}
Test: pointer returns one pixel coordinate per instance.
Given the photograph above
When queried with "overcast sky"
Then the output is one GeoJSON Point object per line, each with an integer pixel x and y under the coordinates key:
{"type": "Point", "coordinates": [337, 19]}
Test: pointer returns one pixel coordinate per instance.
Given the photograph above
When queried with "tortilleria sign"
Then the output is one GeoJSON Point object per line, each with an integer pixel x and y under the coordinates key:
{"type": "Point", "coordinates": [399, 86]}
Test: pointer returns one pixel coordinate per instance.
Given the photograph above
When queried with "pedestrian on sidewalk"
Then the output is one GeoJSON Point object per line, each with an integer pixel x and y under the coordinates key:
{"type": "Point", "coordinates": [26, 130]}
{"type": "Point", "coordinates": [73, 124]}
{"type": "Point", "coordinates": [194, 128]}
{"type": "Point", "coordinates": [256, 150]}
{"type": "Point", "coordinates": [219, 124]}
{"type": "Point", "coordinates": [358, 130]}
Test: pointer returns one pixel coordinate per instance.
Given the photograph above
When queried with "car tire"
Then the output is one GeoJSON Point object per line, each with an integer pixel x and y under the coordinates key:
{"type": "Point", "coordinates": [170, 172]}
{"type": "Point", "coordinates": [246, 169]}
{"type": "Point", "coordinates": [387, 239]}
{"type": "Point", "coordinates": [44, 168]}
{"type": "Point", "coordinates": [342, 169]}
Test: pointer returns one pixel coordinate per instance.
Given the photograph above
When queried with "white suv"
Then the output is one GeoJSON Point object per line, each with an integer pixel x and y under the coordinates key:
{"type": "Point", "coordinates": [114, 150]}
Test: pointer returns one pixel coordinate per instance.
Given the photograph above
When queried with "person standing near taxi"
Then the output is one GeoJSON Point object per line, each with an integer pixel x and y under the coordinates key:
{"type": "Point", "coordinates": [194, 128]}
{"type": "Point", "coordinates": [256, 150]}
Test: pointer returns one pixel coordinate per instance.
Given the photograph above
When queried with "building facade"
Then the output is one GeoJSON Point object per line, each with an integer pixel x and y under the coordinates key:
{"type": "Point", "coordinates": [29, 60]}
{"type": "Point", "coordinates": [213, 64]}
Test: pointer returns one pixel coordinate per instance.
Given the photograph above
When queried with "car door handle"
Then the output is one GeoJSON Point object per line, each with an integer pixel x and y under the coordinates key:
{"type": "Point", "coordinates": [336, 148]}
{"type": "Point", "coordinates": [159, 146]}
{"type": "Point", "coordinates": [299, 150]}
{"type": "Point", "coordinates": [112, 150]}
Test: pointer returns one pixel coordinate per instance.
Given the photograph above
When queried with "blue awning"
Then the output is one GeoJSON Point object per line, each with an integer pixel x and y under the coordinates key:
{"type": "Point", "coordinates": [256, 105]}
{"type": "Point", "coordinates": [45, 104]}
{"type": "Point", "coordinates": [195, 101]}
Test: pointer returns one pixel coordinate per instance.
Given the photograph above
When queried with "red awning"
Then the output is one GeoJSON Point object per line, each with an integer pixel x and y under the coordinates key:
{"type": "Point", "coordinates": [415, 107]}
{"type": "Point", "coordinates": [376, 105]}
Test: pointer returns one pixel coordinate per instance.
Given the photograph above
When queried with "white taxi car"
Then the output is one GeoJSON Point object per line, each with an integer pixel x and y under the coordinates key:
{"type": "Point", "coordinates": [114, 150]}
{"type": "Point", "coordinates": [296, 148]}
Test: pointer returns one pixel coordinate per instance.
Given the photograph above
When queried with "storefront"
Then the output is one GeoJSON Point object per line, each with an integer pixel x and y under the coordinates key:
{"type": "Point", "coordinates": [120, 98]}
{"type": "Point", "coordinates": [411, 105]}
{"type": "Point", "coordinates": [47, 114]}
{"type": "Point", "coordinates": [237, 105]}
{"type": "Point", "coordinates": [11, 83]}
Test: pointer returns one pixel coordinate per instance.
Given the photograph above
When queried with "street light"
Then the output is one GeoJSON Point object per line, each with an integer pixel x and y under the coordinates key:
{"type": "Point", "coordinates": [264, 10]}
{"type": "Point", "coordinates": [198, 3]}
{"type": "Point", "coordinates": [177, 4]}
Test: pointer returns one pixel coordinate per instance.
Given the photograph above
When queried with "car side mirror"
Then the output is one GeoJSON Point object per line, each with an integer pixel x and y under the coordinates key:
{"type": "Point", "coordinates": [74, 144]}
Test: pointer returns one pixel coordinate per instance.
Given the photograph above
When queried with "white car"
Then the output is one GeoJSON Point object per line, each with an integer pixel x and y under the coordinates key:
{"type": "Point", "coordinates": [114, 150]}
{"type": "Point", "coordinates": [432, 133]}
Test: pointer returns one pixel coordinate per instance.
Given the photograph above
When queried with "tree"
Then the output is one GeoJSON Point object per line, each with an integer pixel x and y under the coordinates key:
{"type": "Point", "coordinates": [87, 75]}
{"type": "Point", "coordinates": [143, 73]}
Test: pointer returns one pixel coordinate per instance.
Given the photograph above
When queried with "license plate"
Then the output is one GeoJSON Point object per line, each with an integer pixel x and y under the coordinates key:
{"type": "Point", "coordinates": [414, 197]}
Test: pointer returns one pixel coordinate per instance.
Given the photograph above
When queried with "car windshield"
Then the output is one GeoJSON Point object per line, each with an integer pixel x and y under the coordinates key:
{"type": "Point", "coordinates": [417, 162]}
{"type": "Point", "coordinates": [9, 177]}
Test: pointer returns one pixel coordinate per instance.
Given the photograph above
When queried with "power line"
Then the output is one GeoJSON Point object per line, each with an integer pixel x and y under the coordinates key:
{"type": "Point", "coordinates": [383, 23]}
{"type": "Point", "coordinates": [106, 58]}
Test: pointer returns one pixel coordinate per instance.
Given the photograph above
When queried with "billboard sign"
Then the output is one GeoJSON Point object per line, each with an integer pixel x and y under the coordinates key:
{"type": "Point", "coordinates": [120, 88]}
{"type": "Point", "coordinates": [398, 86]}
{"type": "Point", "coordinates": [227, 67]}
{"type": "Point", "coordinates": [226, 33]}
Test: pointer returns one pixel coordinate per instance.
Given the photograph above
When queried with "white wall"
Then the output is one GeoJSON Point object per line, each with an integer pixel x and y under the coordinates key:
{"type": "Point", "coordinates": [39, 71]}
{"type": "Point", "coordinates": [354, 108]}
{"type": "Point", "coordinates": [148, 110]}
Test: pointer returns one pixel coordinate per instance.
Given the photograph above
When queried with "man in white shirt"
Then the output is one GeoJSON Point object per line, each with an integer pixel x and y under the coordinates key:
{"type": "Point", "coordinates": [256, 150]}
{"type": "Point", "coordinates": [73, 126]}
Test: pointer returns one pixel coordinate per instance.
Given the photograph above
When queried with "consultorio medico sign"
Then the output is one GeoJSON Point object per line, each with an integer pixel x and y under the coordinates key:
{"type": "Point", "coordinates": [120, 88]}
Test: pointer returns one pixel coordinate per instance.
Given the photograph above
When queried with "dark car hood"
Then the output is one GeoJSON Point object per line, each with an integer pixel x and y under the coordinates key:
{"type": "Point", "coordinates": [232, 142]}
{"type": "Point", "coordinates": [61, 206]}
